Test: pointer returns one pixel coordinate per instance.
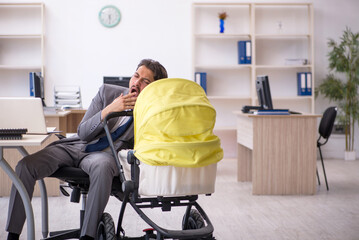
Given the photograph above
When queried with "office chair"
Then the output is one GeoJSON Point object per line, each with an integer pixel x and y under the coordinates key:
{"type": "Point", "coordinates": [325, 129]}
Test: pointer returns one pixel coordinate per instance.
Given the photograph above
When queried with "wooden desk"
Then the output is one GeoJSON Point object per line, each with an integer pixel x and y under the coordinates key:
{"type": "Point", "coordinates": [277, 153]}
{"type": "Point", "coordinates": [58, 120]}
{"type": "Point", "coordinates": [28, 140]}
{"type": "Point", "coordinates": [65, 121]}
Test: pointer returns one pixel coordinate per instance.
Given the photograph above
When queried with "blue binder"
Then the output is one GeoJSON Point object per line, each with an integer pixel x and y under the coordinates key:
{"type": "Point", "coordinates": [248, 52]}
{"type": "Point", "coordinates": [301, 83]}
{"type": "Point", "coordinates": [241, 52]}
{"type": "Point", "coordinates": [201, 79]}
{"type": "Point", "coordinates": [308, 85]}
{"type": "Point", "coordinates": [32, 84]}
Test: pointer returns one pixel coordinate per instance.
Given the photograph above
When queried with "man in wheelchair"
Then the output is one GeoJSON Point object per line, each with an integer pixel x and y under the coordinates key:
{"type": "Point", "coordinates": [88, 150]}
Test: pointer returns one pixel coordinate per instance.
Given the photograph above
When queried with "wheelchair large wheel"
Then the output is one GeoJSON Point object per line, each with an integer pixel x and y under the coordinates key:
{"type": "Point", "coordinates": [195, 220]}
{"type": "Point", "coordinates": [106, 228]}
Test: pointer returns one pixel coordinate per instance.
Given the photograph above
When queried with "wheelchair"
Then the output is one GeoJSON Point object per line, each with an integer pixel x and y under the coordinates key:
{"type": "Point", "coordinates": [145, 186]}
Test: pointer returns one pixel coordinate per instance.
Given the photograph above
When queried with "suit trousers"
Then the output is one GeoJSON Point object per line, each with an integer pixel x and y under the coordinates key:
{"type": "Point", "coordinates": [100, 166]}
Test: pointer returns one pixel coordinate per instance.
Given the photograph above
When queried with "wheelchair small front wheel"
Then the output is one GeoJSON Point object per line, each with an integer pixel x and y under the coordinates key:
{"type": "Point", "coordinates": [106, 228]}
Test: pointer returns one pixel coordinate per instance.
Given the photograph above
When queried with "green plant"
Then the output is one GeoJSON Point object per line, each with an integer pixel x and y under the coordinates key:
{"type": "Point", "coordinates": [341, 84]}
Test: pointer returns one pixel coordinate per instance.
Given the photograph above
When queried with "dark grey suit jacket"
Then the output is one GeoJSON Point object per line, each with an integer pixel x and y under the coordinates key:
{"type": "Point", "coordinates": [91, 127]}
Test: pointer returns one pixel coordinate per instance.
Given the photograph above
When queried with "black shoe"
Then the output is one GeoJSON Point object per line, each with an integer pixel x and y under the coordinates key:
{"type": "Point", "coordinates": [13, 236]}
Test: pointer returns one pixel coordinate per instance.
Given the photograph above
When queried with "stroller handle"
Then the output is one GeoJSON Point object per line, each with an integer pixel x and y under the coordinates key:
{"type": "Point", "coordinates": [109, 138]}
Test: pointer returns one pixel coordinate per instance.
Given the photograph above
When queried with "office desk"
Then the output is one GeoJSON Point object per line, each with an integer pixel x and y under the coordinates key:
{"type": "Point", "coordinates": [57, 119]}
{"type": "Point", "coordinates": [65, 121]}
{"type": "Point", "coordinates": [28, 140]}
{"type": "Point", "coordinates": [277, 153]}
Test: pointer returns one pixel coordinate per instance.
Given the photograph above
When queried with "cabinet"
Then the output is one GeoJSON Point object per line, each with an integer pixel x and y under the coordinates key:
{"type": "Point", "coordinates": [21, 46]}
{"type": "Point", "coordinates": [277, 31]}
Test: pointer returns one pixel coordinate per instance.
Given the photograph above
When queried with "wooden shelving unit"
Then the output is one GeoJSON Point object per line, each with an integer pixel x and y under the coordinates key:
{"type": "Point", "coordinates": [276, 30]}
{"type": "Point", "coordinates": [21, 46]}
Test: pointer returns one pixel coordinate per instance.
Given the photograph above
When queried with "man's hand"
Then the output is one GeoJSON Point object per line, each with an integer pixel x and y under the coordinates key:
{"type": "Point", "coordinates": [120, 104]}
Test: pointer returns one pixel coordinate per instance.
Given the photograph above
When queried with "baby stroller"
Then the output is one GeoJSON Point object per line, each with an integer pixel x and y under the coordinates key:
{"type": "Point", "coordinates": [173, 161]}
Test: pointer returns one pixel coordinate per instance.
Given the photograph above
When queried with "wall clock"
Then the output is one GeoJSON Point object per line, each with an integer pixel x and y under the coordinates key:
{"type": "Point", "coordinates": [109, 16]}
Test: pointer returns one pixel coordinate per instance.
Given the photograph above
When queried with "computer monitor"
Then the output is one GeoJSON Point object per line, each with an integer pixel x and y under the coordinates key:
{"type": "Point", "coordinates": [263, 92]}
{"type": "Point", "coordinates": [120, 81]}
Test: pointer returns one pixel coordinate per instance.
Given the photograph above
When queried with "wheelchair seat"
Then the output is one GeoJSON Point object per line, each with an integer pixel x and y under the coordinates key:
{"type": "Point", "coordinates": [77, 178]}
{"type": "Point", "coordinates": [71, 174]}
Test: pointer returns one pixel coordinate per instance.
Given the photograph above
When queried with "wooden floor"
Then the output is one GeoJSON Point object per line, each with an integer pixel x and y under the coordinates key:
{"type": "Point", "coordinates": [237, 214]}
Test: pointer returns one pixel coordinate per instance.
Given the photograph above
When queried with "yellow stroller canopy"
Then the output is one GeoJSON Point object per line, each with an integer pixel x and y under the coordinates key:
{"type": "Point", "coordinates": [174, 125]}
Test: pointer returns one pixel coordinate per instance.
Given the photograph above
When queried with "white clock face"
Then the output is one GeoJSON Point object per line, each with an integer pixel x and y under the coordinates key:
{"type": "Point", "coordinates": [109, 16]}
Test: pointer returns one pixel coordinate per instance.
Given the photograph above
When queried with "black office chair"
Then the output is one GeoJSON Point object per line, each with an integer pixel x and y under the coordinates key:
{"type": "Point", "coordinates": [325, 129]}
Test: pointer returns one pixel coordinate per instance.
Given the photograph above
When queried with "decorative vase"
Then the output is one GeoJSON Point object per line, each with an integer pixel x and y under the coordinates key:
{"type": "Point", "coordinates": [349, 155]}
{"type": "Point", "coordinates": [221, 25]}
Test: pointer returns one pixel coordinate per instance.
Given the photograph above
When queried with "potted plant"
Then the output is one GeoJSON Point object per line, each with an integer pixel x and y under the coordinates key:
{"type": "Point", "coordinates": [341, 84]}
{"type": "Point", "coordinates": [222, 16]}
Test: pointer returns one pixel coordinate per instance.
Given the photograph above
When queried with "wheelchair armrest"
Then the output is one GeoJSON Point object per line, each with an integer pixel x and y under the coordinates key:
{"type": "Point", "coordinates": [117, 114]}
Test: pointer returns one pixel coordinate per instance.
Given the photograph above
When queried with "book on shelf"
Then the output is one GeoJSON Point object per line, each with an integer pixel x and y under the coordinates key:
{"type": "Point", "coordinates": [244, 52]}
{"type": "Point", "coordinates": [201, 79]}
{"type": "Point", "coordinates": [272, 112]}
{"type": "Point", "coordinates": [304, 83]}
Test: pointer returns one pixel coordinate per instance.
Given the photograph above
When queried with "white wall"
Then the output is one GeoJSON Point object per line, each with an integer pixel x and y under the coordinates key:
{"type": "Point", "coordinates": [80, 51]}
{"type": "Point", "coordinates": [331, 18]}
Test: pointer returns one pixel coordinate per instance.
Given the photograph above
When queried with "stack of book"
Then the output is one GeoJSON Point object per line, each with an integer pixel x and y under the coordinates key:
{"type": "Point", "coordinates": [67, 97]}
{"type": "Point", "coordinates": [272, 112]}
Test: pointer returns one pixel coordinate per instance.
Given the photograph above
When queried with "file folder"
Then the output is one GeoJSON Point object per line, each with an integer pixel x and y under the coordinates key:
{"type": "Point", "coordinates": [301, 82]}
{"type": "Point", "coordinates": [248, 52]}
{"type": "Point", "coordinates": [201, 79]}
{"type": "Point", "coordinates": [241, 52]}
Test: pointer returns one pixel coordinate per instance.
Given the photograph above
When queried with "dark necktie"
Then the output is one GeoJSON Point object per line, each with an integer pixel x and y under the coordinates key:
{"type": "Point", "coordinates": [103, 143]}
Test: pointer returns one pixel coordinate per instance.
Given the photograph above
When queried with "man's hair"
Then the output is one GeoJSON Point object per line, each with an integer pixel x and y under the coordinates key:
{"type": "Point", "coordinates": [158, 70]}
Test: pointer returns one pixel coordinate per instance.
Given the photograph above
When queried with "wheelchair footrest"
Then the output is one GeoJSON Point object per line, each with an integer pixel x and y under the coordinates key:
{"type": "Point", "coordinates": [65, 234]}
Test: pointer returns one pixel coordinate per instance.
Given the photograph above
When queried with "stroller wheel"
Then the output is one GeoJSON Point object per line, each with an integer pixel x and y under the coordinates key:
{"type": "Point", "coordinates": [106, 228]}
{"type": "Point", "coordinates": [195, 220]}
